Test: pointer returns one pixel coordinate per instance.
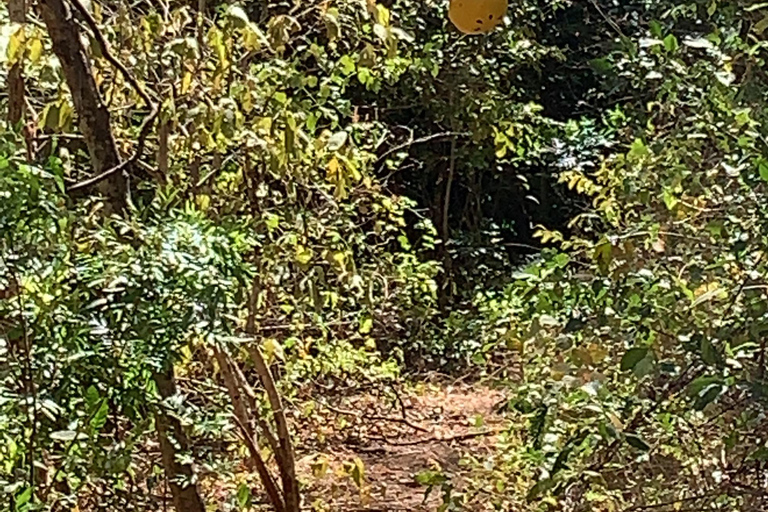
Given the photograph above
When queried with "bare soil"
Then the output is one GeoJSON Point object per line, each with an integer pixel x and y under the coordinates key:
{"type": "Point", "coordinates": [393, 435]}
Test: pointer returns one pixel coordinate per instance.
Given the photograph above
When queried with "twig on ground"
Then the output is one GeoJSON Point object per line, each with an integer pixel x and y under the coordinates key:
{"type": "Point", "coordinates": [393, 419]}
{"type": "Point", "coordinates": [439, 439]}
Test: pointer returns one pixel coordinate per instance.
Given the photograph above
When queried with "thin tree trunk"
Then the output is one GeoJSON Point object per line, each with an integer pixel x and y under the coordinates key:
{"type": "Point", "coordinates": [285, 457]}
{"type": "Point", "coordinates": [445, 227]}
{"type": "Point", "coordinates": [241, 416]}
{"type": "Point", "coordinates": [234, 391]}
{"type": "Point", "coordinates": [93, 114]}
{"type": "Point", "coordinates": [17, 14]}
{"type": "Point", "coordinates": [186, 497]}
{"type": "Point", "coordinates": [162, 149]}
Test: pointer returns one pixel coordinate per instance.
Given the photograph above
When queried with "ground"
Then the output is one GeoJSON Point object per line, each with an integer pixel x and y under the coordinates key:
{"type": "Point", "coordinates": [362, 452]}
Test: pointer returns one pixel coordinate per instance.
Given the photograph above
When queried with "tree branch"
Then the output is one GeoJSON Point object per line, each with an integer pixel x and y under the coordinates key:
{"type": "Point", "coordinates": [153, 105]}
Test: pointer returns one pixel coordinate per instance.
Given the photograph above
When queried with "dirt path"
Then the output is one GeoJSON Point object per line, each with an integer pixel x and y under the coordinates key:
{"type": "Point", "coordinates": [384, 440]}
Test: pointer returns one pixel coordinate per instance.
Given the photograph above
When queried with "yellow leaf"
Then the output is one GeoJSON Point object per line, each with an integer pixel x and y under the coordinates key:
{"type": "Point", "coordinates": [35, 49]}
{"type": "Point", "coordinates": [382, 15]}
{"type": "Point", "coordinates": [203, 201]}
{"type": "Point", "coordinates": [272, 350]}
{"type": "Point", "coordinates": [16, 45]}
{"type": "Point", "coordinates": [186, 82]}
{"type": "Point", "coordinates": [333, 168]}
{"type": "Point", "coordinates": [617, 424]}
{"type": "Point", "coordinates": [303, 254]}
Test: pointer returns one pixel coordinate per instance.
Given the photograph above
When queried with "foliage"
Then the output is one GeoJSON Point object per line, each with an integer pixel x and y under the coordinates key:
{"type": "Point", "coordinates": [573, 204]}
{"type": "Point", "coordinates": [643, 365]}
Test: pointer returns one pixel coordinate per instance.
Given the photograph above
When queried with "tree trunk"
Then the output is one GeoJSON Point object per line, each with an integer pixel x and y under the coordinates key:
{"type": "Point", "coordinates": [93, 114]}
{"type": "Point", "coordinates": [285, 458]}
{"type": "Point", "coordinates": [17, 14]}
{"type": "Point", "coordinates": [180, 475]}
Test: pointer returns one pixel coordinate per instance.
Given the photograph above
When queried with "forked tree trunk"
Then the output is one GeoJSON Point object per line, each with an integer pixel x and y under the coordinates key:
{"type": "Point", "coordinates": [92, 113]}
{"type": "Point", "coordinates": [17, 14]}
{"type": "Point", "coordinates": [173, 440]}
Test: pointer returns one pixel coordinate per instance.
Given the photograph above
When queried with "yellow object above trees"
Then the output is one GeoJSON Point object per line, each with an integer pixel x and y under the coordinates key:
{"type": "Point", "coordinates": [477, 16]}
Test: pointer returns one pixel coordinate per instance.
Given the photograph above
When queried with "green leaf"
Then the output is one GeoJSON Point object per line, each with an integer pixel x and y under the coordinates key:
{"type": "Point", "coordinates": [707, 396]}
{"type": "Point", "coordinates": [669, 199]}
{"type": "Point", "coordinates": [244, 498]}
{"type": "Point", "coordinates": [638, 149]}
{"type": "Point", "coordinates": [23, 498]}
{"type": "Point", "coordinates": [541, 487]}
{"type": "Point", "coordinates": [633, 357]}
{"type": "Point", "coordinates": [366, 324]}
{"type": "Point", "coordinates": [671, 44]}
{"type": "Point", "coordinates": [100, 418]}
{"type": "Point", "coordinates": [635, 442]}
{"type": "Point", "coordinates": [699, 384]}
{"type": "Point", "coordinates": [304, 254]}
{"type": "Point", "coordinates": [430, 477]}
{"type": "Point", "coordinates": [602, 65]}
{"type": "Point", "coordinates": [708, 352]}
{"type": "Point", "coordinates": [762, 167]}
{"type": "Point", "coordinates": [358, 472]}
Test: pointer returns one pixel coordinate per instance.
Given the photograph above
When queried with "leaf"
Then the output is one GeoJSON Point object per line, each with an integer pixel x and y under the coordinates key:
{"type": "Point", "coordinates": [337, 141]}
{"type": "Point", "coordinates": [698, 42]}
{"type": "Point", "coordinates": [63, 435]}
{"type": "Point", "coordinates": [272, 221]}
{"type": "Point", "coordinates": [708, 352]}
{"type": "Point", "coordinates": [402, 34]}
{"type": "Point", "coordinates": [698, 385]}
{"type": "Point", "coordinates": [633, 357]}
{"type": "Point", "coordinates": [319, 467]}
{"type": "Point", "coordinates": [540, 488]}
{"type": "Point", "coordinates": [638, 149]}
{"type": "Point", "coordinates": [762, 167]}
{"type": "Point", "coordinates": [671, 44]}
{"type": "Point", "coordinates": [357, 472]}
{"type": "Point", "coordinates": [669, 199]}
{"type": "Point", "coordinates": [100, 418]}
{"type": "Point", "coordinates": [713, 290]}
{"type": "Point", "coordinates": [273, 350]}
{"type": "Point", "coordinates": [635, 442]}
{"type": "Point", "coordinates": [244, 498]}
{"type": "Point", "coordinates": [304, 254]}
{"type": "Point", "coordinates": [333, 168]}
{"type": "Point", "coordinates": [430, 477]}
{"type": "Point", "coordinates": [15, 48]}
{"type": "Point", "coordinates": [237, 16]}
{"type": "Point", "coordinates": [35, 50]}
{"type": "Point", "coordinates": [707, 396]}
{"type": "Point", "coordinates": [186, 82]}
{"type": "Point", "coordinates": [601, 65]}
{"type": "Point", "coordinates": [366, 324]}
{"type": "Point", "coordinates": [616, 422]}
{"type": "Point", "coordinates": [23, 498]}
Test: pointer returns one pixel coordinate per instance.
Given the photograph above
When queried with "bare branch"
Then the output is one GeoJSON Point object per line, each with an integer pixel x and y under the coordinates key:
{"type": "Point", "coordinates": [153, 105]}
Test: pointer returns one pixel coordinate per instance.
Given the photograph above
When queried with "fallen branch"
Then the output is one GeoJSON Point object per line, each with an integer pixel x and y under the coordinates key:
{"type": "Point", "coordinates": [440, 439]}
{"type": "Point", "coordinates": [393, 419]}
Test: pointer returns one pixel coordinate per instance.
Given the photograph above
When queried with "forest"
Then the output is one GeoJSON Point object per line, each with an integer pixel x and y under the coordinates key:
{"type": "Point", "coordinates": [383, 255]}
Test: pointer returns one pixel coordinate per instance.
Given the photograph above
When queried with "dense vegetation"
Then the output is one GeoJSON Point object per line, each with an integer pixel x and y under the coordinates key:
{"type": "Point", "coordinates": [213, 215]}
